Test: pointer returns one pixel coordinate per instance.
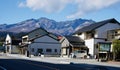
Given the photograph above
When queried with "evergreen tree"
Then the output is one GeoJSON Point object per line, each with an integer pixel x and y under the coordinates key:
{"type": "Point", "coordinates": [116, 49]}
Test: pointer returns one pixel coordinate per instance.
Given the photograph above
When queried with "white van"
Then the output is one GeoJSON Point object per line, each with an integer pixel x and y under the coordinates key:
{"type": "Point", "coordinates": [79, 54]}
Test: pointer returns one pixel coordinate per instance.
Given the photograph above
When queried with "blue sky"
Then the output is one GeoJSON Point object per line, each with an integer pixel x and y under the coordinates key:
{"type": "Point", "coordinates": [13, 11]}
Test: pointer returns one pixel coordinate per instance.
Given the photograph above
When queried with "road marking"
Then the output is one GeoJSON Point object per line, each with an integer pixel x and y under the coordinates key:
{"type": "Point", "coordinates": [3, 68]}
{"type": "Point", "coordinates": [44, 66]}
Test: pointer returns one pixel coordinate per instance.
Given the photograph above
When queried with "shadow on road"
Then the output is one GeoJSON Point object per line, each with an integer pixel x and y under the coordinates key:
{"type": "Point", "coordinates": [21, 64]}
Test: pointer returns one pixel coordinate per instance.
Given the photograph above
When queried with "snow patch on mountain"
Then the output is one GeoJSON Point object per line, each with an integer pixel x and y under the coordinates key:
{"type": "Point", "coordinates": [61, 28]}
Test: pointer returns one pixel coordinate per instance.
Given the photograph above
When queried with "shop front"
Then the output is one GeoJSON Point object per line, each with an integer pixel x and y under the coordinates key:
{"type": "Point", "coordinates": [104, 50]}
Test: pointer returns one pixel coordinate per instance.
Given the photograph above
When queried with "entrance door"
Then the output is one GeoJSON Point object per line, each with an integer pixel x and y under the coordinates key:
{"type": "Point", "coordinates": [40, 51]}
{"type": "Point", "coordinates": [102, 55]}
{"type": "Point", "coordinates": [67, 51]}
{"type": "Point", "coordinates": [27, 53]}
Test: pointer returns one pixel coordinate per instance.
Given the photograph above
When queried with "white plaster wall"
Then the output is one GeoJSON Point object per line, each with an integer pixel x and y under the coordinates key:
{"type": "Point", "coordinates": [8, 39]}
{"type": "Point", "coordinates": [65, 43]}
{"type": "Point", "coordinates": [8, 42]}
{"type": "Point", "coordinates": [90, 44]}
{"type": "Point", "coordinates": [82, 36]}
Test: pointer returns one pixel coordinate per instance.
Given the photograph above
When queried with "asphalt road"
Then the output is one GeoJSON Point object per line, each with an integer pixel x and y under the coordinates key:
{"type": "Point", "coordinates": [10, 63]}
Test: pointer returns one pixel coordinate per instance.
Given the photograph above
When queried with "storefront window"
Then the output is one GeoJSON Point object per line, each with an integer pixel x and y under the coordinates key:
{"type": "Point", "coordinates": [104, 47]}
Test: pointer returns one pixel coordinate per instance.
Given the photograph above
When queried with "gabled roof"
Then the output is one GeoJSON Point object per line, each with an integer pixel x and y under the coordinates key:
{"type": "Point", "coordinates": [96, 25]}
{"type": "Point", "coordinates": [74, 39]}
{"type": "Point", "coordinates": [16, 42]}
{"type": "Point", "coordinates": [36, 32]}
{"type": "Point", "coordinates": [49, 34]}
{"type": "Point", "coordinates": [55, 36]}
{"type": "Point", "coordinates": [42, 29]}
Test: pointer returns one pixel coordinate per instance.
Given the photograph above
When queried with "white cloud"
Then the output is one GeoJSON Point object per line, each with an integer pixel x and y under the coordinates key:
{"type": "Point", "coordinates": [45, 5]}
{"type": "Point", "coordinates": [21, 4]}
{"type": "Point", "coordinates": [83, 6]}
{"type": "Point", "coordinates": [86, 6]}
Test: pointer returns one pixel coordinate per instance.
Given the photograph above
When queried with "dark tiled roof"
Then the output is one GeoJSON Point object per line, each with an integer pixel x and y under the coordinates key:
{"type": "Point", "coordinates": [41, 29]}
{"type": "Point", "coordinates": [36, 33]}
{"type": "Point", "coordinates": [54, 36]}
{"type": "Point", "coordinates": [49, 34]}
{"type": "Point", "coordinates": [16, 42]}
{"type": "Point", "coordinates": [96, 25]}
{"type": "Point", "coordinates": [74, 39]}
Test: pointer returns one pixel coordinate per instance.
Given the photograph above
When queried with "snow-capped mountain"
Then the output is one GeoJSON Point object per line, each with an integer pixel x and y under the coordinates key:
{"type": "Point", "coordinates": [62, 28]}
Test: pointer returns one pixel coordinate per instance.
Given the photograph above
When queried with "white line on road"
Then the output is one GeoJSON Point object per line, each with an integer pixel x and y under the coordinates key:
{"type": "Point", "coordinates": [3, 68]}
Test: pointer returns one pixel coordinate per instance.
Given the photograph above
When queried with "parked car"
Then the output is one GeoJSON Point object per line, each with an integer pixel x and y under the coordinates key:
{"type": "Point", "coordinates": [79, 54]}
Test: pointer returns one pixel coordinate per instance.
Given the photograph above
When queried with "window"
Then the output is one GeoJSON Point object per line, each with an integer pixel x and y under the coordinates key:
{"type": "Point", "coordinates": [90, 34]}
{"type": "Point", "coordinates": [40, 50]}
{"type": "Point", "coordinates": [55, 50]}
{"type": "Point", "coordinates": [24, 39]}
{"type": "Point", "coordinates": [48, 50]}
{"type": "Point", "coordinates": [104, 47]}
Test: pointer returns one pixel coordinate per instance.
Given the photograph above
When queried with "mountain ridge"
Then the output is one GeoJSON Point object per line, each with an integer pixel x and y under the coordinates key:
{"type": "Point", "coordinates": [61, 27]}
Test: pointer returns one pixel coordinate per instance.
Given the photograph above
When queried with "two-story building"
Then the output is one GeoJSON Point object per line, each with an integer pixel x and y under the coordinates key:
{"type": "Point", "coordinates": [70, 44]}
{"type": "Point", "coordinates": [11, 45]}
{"type": "Point", "coordinates": [96, 35]}
{"type": "Point", "coordinates": [39, 41]}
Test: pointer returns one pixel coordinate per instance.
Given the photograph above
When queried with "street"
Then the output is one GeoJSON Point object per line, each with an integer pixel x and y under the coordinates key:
{"type": "Point", "coordinates": [11, 63]}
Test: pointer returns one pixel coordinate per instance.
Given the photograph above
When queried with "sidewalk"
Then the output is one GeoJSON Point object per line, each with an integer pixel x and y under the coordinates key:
{"type": "Point", "coordinates": [63, 60]}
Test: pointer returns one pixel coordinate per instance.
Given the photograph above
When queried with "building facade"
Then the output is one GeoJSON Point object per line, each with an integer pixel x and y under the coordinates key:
{"type": "Point", "coordinates": [97, 33]}
{"type": "Point", "coordinates": [11, 45]}
{"type": "Point", "coordinates": [39, 41]}
{"type": "Point", "coordinates": [69, 44]}
{"type": "Point", "coordinates": [8, 42]}
{"type": "Point", "coordinates": [45, 45]}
